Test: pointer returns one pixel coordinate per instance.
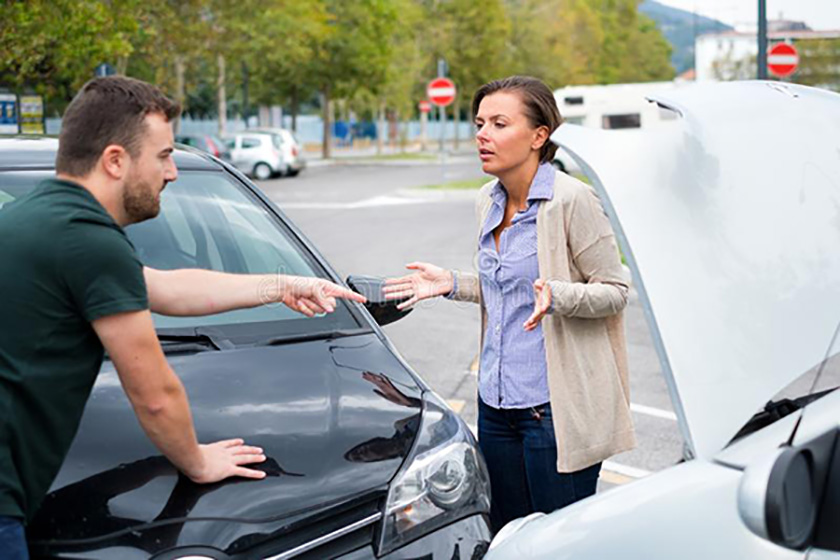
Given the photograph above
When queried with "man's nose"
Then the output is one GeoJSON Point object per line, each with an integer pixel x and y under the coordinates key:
{"type": "Point", "coordinates": [171, 171]}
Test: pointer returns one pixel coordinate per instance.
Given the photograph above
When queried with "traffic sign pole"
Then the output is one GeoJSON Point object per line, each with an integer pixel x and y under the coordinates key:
{"type": "Point", "coordinates": [762, 40]}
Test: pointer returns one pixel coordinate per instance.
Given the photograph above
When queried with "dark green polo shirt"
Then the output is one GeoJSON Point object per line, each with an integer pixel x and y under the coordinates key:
{"type": "Point", "coordinates": [64, 263]}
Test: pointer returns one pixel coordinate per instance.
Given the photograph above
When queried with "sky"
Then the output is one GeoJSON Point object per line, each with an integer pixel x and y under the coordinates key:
{"type": "Point", "coordinates": [817, 14]}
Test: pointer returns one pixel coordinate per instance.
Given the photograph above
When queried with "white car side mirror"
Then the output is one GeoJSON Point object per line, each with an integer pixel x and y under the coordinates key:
{"type": "Point", "coordinates": [781, 494]}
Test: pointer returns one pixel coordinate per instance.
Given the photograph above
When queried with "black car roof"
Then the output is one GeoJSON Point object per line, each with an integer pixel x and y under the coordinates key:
{"type": "Point", "coordinates": [20, 152]}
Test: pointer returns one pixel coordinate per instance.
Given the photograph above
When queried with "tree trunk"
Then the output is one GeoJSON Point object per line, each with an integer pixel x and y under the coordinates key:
{"type": "Point", "coordinates": [326, 148]}
{"type": "Point", "coordinates": [295, 108]}
{"type": "Point", "coordinates": [122, 65]}
{"type": "Point", "coordinates": [180, 96]}
{"type": "Point", "coordinates": [220, 88]}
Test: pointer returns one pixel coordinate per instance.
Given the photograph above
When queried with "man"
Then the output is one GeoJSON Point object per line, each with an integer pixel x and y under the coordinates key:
{"type": "Point", "coordinates": [73, 285]}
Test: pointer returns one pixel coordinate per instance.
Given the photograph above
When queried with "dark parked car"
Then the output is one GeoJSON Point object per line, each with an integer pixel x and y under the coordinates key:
{"type": "Point", "coordinates": [213, 145]}
{"type": "Point", "coordinates": [363, 460]}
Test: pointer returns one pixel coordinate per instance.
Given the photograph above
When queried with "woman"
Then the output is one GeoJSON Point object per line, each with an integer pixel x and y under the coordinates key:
{"type": "Point", "coordinates": [553, 386]}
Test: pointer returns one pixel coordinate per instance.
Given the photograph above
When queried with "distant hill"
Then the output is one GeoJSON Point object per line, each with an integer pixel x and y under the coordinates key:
{"type": "Point", "coordinates": [680, 28]}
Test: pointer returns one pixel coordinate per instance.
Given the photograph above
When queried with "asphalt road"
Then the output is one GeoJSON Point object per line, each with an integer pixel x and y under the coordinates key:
{"type": "Point", "coordinates": [375, 218]}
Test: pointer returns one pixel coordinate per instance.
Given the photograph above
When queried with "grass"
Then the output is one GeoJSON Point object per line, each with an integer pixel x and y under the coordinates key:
{"type": "Point", "coordinates": [477, 183]}
{"type": "Point", "coordinates": [463, 184]}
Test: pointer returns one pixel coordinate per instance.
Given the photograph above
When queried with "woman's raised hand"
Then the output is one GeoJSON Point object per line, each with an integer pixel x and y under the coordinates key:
{"type": "Point", "coordinates": [542, 303]}
{"type": "Point", "coordinates": [427, 282]}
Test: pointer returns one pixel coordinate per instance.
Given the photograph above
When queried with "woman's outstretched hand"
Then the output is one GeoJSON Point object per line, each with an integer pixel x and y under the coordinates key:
{"type": "Point", "coordinates": [542, 303]}
{"type": "Point", "coordinates": [427, 282]}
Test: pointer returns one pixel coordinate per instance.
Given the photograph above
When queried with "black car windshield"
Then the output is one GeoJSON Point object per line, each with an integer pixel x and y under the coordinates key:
{"type": "Point", "coordinates": [208, 220]}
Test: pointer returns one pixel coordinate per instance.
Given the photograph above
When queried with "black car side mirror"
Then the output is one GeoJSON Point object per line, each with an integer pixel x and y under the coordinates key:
{"type": "Point", "coordinates": [383, 311]}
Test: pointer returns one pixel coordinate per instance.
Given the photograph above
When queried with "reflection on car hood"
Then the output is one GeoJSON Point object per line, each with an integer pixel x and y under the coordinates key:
{"type": "Point", "coordinates": [730, 220]}
{"type": "Point", "coordinates": [335, 418]}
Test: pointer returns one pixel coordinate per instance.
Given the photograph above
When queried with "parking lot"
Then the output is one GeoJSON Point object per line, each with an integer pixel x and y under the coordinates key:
{"type": "Point", "coordinates": [374, 217]}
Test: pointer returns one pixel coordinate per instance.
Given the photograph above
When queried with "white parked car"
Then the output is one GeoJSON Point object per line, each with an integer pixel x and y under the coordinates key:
{"type": "Point", "coordinates": [729, 217]}
{"type": "Point", "coordinates": [289, 147]}
{"type": "Point", "coordinates": [264, 154]}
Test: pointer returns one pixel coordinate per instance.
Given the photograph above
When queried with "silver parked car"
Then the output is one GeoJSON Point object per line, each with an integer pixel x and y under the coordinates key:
{"type": "Point", "coordinates": [263, 154]}
{"type": "Point", "coordinates": [729, 217]}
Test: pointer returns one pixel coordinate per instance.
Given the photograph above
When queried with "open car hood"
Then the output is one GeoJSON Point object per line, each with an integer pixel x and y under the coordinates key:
{"type": "Point", "coordinates": [729, 218]}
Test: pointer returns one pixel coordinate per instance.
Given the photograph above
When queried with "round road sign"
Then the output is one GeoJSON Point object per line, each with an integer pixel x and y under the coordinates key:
{"type": "Point", "coordinates": [782, 60]}
{"type": "Point", "coordinates": [441, 91]}
{"type": "Point", "coordinates": [424, 106]}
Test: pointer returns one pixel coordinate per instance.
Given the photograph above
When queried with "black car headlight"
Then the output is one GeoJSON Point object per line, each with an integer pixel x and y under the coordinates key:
{"type": "Point", "coordinates": [443, 480]}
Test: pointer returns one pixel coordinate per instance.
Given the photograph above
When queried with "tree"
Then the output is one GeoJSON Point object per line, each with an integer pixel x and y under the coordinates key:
{"type": "Point", "coordinates": [819, 63]}
{"type": "Point", "coordinates": [566, 42]}
{"type": "Point", "coordinates": [354, 55]}
{"type": "Point", "coordinates": [473, 40]}
{"type": "Point", "coordinates": [282, 43]}
{"type": "Point", "coordinates": [54, 46]}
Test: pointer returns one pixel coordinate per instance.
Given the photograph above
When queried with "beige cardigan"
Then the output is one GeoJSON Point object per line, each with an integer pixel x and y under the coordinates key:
{"type": "Point", "coordinates": [585, 347]}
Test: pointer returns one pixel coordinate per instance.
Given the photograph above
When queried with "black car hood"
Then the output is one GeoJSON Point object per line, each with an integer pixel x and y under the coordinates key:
{"type": "Point", "coordinates": [336, 419]}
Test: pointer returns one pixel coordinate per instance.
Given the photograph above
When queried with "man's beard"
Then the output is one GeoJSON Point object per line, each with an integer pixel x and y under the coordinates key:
{"type": "Point", "coordinates": [140, 201]}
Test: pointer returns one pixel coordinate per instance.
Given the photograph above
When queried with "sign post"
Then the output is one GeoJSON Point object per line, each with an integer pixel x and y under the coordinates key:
{"type": "Point", "coordinates": [782, 60]}
{"type": "Point", "coordinates": [32, 115]}
{"type": "Point", "coordinates": [8, 113]}
{"type": "Point", "coordinates": [441, 92]}
{"type": "Point", "coordinates": [104, 69]}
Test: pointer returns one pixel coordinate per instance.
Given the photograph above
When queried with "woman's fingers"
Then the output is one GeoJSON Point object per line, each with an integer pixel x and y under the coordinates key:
{"type": "Point", "coordinates": [408, 303]}
{"type": "Point", "coordinates": [394, 284]}
{"type": "Point", "coordinates": [399, 295]}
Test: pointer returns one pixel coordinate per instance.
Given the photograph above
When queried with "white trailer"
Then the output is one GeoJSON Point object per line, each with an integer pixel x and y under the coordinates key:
{"type": "Point", "coordinates": [614, 106]}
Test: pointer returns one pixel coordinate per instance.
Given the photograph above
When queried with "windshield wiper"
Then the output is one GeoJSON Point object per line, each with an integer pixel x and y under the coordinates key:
{"type": "Point", "coordinates": [292, 338]}
{"type": "Point", "coordinates": [199, 340]}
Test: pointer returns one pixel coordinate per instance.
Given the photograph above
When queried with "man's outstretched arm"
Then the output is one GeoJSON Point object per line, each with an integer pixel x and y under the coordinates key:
{"type": "Point", "coordinates": [160, 402]}
{"type": "Point", "coordinates": [191, 292]}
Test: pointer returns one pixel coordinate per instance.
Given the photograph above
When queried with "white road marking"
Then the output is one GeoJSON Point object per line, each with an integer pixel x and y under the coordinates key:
{"type": "Point", "coordinates": [368, 203]}
{"type": "Point", "coordinates": [618, 468]}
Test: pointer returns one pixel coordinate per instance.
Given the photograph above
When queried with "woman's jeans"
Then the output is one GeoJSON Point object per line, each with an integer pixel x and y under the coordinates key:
{"type": "Point", "coordinates": [521, 455]}
{"type": "Point", "coordinates": [12, 539]}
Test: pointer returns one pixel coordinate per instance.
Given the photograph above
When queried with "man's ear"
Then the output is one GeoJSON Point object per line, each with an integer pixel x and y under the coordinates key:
{"type": "Point", "coordinates": [115, 161]}
{"type": "Point", "coordinates": [540, 137]}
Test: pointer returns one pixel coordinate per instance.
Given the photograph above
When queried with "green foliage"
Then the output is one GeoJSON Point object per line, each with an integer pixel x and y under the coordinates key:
{"type": "Point", "coordinates": [819, 63]}
{"type": "Point", "coordinates": [53, 46]}
{"type": "Point", "coordinates": [374, 53]}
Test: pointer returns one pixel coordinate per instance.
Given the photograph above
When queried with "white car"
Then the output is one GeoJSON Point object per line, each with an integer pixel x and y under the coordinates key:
{"type": "Point", "coordinates": [729, 217]}
{"type": "Point", "coordinates": [266, 153]}
{"type": "Point", "coordinates": [288, 145]}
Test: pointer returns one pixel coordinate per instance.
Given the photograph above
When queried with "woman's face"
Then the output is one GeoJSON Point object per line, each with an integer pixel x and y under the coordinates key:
{"type": "Point", "coordinates": [505, 137]}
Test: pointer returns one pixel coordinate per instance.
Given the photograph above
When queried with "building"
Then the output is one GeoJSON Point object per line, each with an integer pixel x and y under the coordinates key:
{"type": "Point", "coordinates": [732, 55]}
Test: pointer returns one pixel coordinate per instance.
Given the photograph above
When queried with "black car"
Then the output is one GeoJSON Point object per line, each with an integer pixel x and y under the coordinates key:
{"type": "Point", "coordinates": [363, 460]}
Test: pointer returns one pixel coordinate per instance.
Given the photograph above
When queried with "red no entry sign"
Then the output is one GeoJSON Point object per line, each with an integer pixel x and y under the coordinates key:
{"type": "Point", "coordinates": [782, 60]}
{"type": "Point", "coordinates": [424, 106]}
{"type": "Point", "coordinates": [441, 91]}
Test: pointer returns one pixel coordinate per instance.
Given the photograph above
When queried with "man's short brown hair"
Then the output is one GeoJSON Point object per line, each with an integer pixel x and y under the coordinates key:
{"type": "Point", "coordinates": [107, 111]}
{"type": "Point", "coordinates": [540, 105]}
